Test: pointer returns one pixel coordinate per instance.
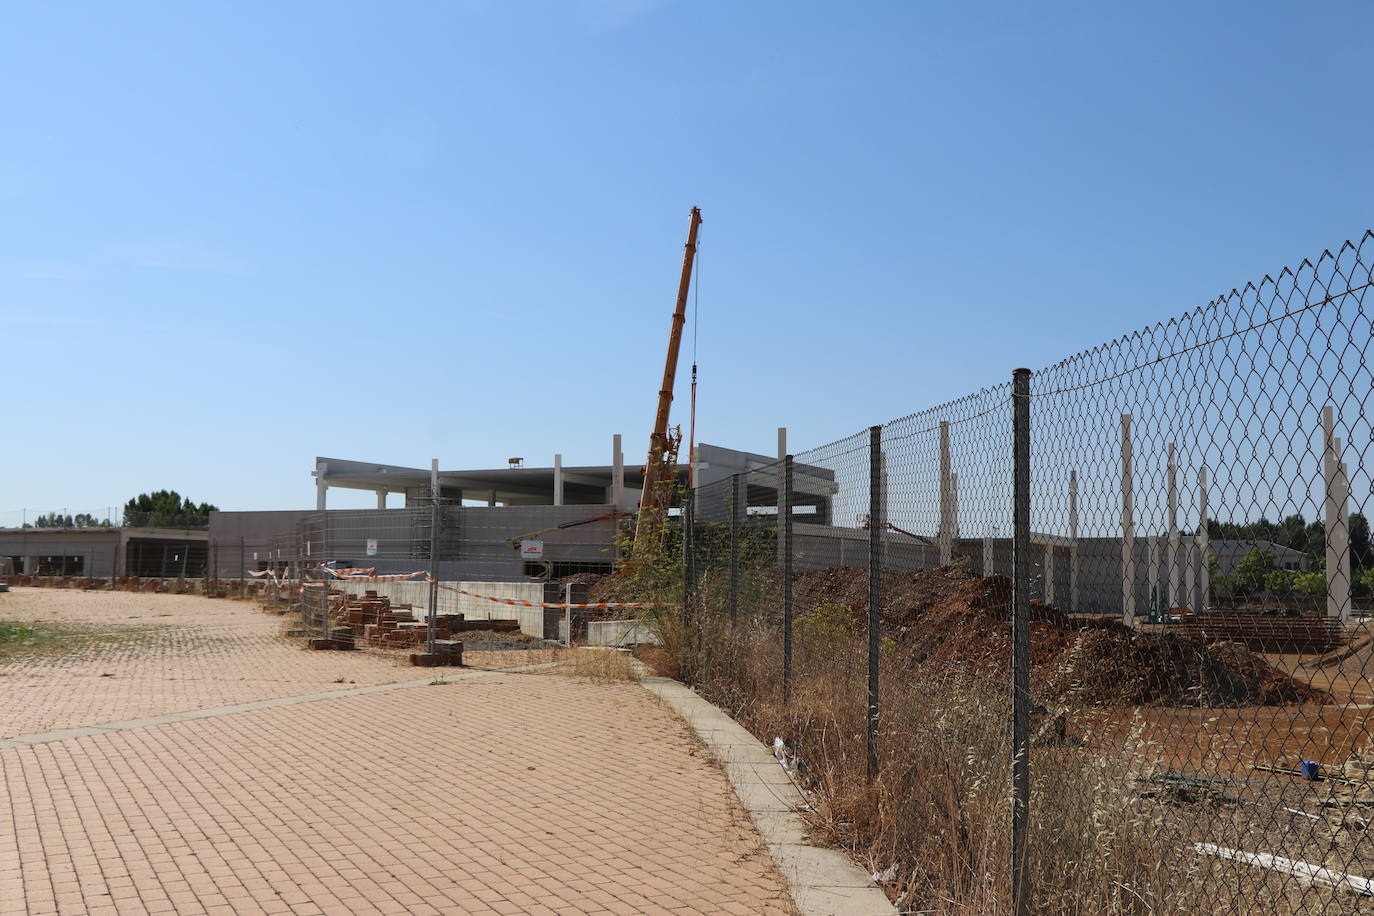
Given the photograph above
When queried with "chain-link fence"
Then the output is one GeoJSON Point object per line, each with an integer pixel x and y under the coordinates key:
{"type": "Point", "coordinates": [1095, 640]}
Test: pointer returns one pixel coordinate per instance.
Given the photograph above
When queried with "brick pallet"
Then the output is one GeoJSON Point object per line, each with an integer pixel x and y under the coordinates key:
{"type": "Point", "coordinates": [1261, 633]}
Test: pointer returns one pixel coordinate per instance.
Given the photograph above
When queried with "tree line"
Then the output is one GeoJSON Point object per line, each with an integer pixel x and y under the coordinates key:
{"type": "Point", "coordinates": [160, 509]}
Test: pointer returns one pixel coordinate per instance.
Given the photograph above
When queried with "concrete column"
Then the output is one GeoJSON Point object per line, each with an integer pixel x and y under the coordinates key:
{"type": "Point", "coordinates": [988, 555]}
{"type": "Point", "coordinates": [321, 488]}
{"type": "Point", "coordinates": [1073, 540]}
{"type": "Point", "coordinates": [1127, 526]}
{"type": "Point", "coordinates": [558, 480]}
{"type": "Point", "coordinates": [1155, 592]}
{"type": "Point", "coordinates": [491, 501]}
{"type": "Point", "coordinates": [1049, 573]}
{"type": "Point", "coordinates": [1337, 522]}
{"type": "Point", "coordinates": [434, 478]}
{"type": "Point", "coordinates": [381, 499]}
{"type": "Point", "coordinates": [782, 442]}
{"type": "Point", "coordinates": [1175, 588]}
{"type": "Point", "coordinates": [617, 474]}
{"type": "Point", "coordinates": [1204, 574]}
{"type": "Point", "coordinates": [945, 528]}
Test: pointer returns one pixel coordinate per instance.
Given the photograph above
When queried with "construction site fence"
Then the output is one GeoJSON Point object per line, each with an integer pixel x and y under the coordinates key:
{"type": "Point", "coordinates": [1088, 640]}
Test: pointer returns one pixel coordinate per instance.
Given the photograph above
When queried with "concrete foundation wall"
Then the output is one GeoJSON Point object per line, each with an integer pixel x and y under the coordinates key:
{"type": "Point", "coordinates": [620, 633]}
{"type": "Point", "coordinates": [416, 594]}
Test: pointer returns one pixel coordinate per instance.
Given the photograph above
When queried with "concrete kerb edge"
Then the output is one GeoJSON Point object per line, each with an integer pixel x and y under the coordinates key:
{"type": "Point", "coordinates": [822, 882]}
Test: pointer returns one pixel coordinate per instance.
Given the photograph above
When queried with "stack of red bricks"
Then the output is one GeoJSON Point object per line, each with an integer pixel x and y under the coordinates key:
{"type": "Point", "coordinates": [372, 620]}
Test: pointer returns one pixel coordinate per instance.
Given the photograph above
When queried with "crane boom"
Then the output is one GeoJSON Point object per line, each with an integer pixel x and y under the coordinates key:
{"type": "Point", "coordinates": [653, 500]}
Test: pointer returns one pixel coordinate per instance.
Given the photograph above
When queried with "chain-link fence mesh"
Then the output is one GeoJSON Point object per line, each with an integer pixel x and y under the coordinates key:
{"type": "Point", "coordinates": [1190, 571]}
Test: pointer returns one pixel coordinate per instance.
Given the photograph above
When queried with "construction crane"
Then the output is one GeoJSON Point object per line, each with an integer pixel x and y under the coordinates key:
{"type": "Point", "coordinates": [660, 469]}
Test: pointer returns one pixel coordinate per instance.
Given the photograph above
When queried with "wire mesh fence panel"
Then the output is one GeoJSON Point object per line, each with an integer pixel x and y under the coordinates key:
{"type": "Point", "coordinates": [1198, 516]}
{"type": "Point", "coordinates": [1186, 567]}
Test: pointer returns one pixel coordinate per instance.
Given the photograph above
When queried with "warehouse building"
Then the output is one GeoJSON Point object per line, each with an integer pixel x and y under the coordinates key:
{"type": "Point", "coordinates": [101, 552]}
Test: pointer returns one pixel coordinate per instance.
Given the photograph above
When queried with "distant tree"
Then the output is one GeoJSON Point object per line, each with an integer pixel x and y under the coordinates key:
{"type": "Point", "coordinates": [1360, 549]}
{"type": "Point", "coordinates": [1279, 582]}
{"type": "Point", "coordinates": [54, 520]}
{"type": "Point", "coordinates": [1315, 546]}
{"type": "Point", "coordinates": [1310, 583]}
{"type": "Point", "coordinates": [1251, 573]}
{"type": "Point", "coordinates": [166, 509]}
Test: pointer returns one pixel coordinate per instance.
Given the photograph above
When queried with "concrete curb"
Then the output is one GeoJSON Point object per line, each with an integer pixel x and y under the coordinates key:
{"type": "Point", "coordinates": [823, 882]}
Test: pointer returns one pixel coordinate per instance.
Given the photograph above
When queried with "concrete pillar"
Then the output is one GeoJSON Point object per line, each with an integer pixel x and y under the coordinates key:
{"type": "Point", "coordinates": [1155, 592]}
{"type": "Point", "coordinates": [434, 478]}
{"type": "Point", "coordinates": [617, 474]}
{"type": "Point", "coordinates": [1049, 573]}
{"type": "Point", "coordinates": [381, 499]}
{"type": "Point", "coordinates": [782, 442]}
{"type": "Point", "coordinates": [1073, 540]}
{"type": "Point", "coordinates": [988, 555]}
{"type": "Point", "coordinates": [1174, 596]}
{"type": "Point", "coordinates": [1127, 526]}
{"type": "Point", "coordinates": [1204, 574]}
{"type": "Point", "coordinates": [491, 501]}
{"type": "Point", "coordinates": [945, 528]}
{"type": "Point", "coordinates": [321, 488]}
{"type": "Point", "coordinates": [558, 480]}
{"type": "Point", "coordinates": [1337, 522]}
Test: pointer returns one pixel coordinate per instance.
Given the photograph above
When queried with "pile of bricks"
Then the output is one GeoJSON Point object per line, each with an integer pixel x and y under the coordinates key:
{"type": "Point", "coordinates": [372, 620]}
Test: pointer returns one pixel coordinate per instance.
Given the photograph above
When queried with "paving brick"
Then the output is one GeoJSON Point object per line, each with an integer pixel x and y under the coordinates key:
{"type": "Point", "coordinates": [497, 793]}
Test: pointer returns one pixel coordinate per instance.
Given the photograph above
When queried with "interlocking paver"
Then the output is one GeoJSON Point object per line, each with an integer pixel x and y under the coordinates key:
{"type": "Point", "coordinates": [502, 793]}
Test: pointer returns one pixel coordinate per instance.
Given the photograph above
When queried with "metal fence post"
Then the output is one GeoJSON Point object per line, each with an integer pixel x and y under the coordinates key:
{"type": "Point", "coordinates": [243, 570]}
{"type": "Point", "coordinates": [684, 668]}
{"type": "Point", "coordinates": [734, 550]}
{"type": "Point", "coordinates": [785, 507]}
{"type": "Point", "coordinates": [1020, 639]}
{"type": "Point", "coordinates": [875, 547]}
{"type": "Point", "coordinates": [431, 618]}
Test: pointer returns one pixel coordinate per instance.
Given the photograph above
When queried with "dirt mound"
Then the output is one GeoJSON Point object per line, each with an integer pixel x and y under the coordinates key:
{"type": "Point", "coordinates": [952, 618]}
{"type": "Point", "coordinates": [1115, 667]}
{"type": "Point", "coordinates": [905, 595]}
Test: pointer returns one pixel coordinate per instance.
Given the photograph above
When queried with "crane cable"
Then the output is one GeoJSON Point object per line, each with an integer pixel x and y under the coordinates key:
{"type": "Point", "coordinates": [692, 424]}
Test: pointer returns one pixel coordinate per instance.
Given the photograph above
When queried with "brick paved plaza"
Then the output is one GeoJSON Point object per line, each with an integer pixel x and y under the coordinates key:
{"type": "Point", "coordinates": [492, 792]}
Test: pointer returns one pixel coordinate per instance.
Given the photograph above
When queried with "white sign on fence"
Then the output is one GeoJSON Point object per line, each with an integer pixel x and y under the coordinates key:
{"type": "Point", "coordinates": [371, 547]}
{"type": "Point", "coordinates": [531, 550]}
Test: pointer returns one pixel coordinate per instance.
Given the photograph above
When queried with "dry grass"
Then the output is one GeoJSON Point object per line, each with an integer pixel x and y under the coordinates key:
{"type": "Point", "coordinates": [600, 665]}
{"type": "Point", "coordinates": [939, 807]}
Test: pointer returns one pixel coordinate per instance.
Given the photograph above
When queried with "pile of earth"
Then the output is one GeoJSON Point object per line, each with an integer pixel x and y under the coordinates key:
{"type": "Point", "coordinates": [1117, 667]}
{"type": "Point", "coordinates": [948, 616]}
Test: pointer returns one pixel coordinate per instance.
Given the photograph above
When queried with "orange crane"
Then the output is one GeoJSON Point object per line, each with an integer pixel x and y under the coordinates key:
{"type": "Point", "coordinates": [660, 470]}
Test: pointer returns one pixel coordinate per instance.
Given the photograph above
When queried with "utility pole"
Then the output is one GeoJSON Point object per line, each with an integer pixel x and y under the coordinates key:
{"type": "Point", "coordinates": [649, 528]}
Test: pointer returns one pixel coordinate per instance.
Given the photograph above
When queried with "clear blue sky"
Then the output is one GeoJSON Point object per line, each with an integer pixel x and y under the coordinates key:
{"type": "Point", "coordinates": [236, 236]}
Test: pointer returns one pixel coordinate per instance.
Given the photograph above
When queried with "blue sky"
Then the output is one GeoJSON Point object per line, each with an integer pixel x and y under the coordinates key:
{"type": "Point", "coordinates": [236, 236]}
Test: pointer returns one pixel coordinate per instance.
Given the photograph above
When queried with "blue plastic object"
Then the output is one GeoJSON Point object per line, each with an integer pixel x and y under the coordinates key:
{"type": "Point", "coordinates": [1311, 769]}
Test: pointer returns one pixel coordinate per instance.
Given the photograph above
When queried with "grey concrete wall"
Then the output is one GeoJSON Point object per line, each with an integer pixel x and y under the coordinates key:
{"type": "Point", "coordinates": [448, 602]}
{"type": "Point", "coordinates": [473, 548]}
{"type": "Point", "coordinates": [620, 633]}
{"type": "Point", "coordinates": [98, 548]}
{"type": "Point", "coordinates": [532, 620]}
